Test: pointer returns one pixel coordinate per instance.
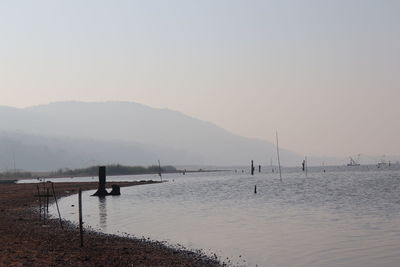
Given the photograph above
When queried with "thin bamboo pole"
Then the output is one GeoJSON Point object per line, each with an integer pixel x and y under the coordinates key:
{"type": "Point", "coordinates": [306, 163]}
{"type": "Point", "coordinates": [58, 209]}
{"type": "Point", "coordinates": [279, 162]}
{"type": "Point", "coordinates": [159, 168]}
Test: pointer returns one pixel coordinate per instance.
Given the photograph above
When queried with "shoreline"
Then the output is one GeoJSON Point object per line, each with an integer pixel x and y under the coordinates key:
{"type": "Point", "coordinates": [25, 240]}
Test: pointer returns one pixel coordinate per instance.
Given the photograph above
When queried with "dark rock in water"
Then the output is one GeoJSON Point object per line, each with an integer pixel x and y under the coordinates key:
{"type": "Point", "coordinates": [115, 190]}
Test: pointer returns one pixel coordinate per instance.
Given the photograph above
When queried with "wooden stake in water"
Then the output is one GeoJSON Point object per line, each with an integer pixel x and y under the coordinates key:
{"type": "Point", "coordinates": [306, 163]}
{"type": "Point", "coordinates": [80, 217]}
{"type": "Point", "coordinates": [272, 168]}
{"type": "Point", "coordinates": [159, 170]}
{"type": "Point", "coordinates": [277, 151]}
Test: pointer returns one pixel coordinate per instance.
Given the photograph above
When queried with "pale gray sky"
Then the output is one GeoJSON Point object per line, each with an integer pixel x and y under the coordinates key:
{"type": "Point", "coordinates": [325, 74]}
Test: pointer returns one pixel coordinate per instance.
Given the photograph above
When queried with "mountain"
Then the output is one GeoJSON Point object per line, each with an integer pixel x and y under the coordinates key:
{"type": "Point", "coordinates": [74, 134]}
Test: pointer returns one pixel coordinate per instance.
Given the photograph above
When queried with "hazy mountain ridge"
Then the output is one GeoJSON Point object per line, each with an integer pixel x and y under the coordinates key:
{"type": "Point", "coordinates": [74, 134]}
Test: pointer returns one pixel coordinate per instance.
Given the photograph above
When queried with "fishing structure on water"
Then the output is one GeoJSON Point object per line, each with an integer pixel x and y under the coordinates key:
{"type": "Point", "coordinates": [354, 162]}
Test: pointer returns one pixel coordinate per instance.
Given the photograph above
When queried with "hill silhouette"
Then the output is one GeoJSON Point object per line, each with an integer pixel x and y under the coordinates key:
{"type": "Point", "coordinates": [76, 134]}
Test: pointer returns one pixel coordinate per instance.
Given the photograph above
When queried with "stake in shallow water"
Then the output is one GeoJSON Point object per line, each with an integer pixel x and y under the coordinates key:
{"type": "Point", "coordinates": [159, 170]}
{"type": "Point", "coordinates": [101, 191]}
{"type": "Point", "coordinates": [306, 165]}
{"type": "Point", "coordinates": [279, 162]}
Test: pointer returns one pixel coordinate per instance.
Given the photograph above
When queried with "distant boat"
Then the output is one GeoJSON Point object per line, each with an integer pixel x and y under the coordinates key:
{"type": "Point", "coordinates": [354, 162]}
{"type": "Point", "coordinates": [382, 164]}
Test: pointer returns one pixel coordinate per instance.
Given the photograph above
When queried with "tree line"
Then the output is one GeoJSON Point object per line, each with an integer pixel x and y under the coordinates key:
{"type": "Point", "coordinates": [115, 169]}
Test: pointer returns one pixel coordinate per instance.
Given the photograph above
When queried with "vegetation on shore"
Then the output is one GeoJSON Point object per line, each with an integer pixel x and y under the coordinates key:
{"type": "Point", "coordinates": [116, 169]}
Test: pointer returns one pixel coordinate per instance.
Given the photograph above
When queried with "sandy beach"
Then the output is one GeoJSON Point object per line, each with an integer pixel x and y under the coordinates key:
{"type": "Point", "coordinates": [26, 241]}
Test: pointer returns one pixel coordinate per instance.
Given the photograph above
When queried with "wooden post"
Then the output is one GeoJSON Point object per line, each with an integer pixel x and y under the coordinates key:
{"type": "Point", "coordinates": [255, 189]}
{"type": "Point", "coordinates": [306, 165]}
{"type": "Point", "coordinates": [102, 178]}
{"type": "Point", "coordinates": [272, 167]}
{"type": "Point", "coordinates": [40, 202]}
{"type": "Point", "coordinates": [44, 203]}
{"type": "Point", "coordinates": [279, 161]}
{"type": "Point", "coordinates": [47, 200]}
{"type": "Point", "coordinates": [80, 217]}
{"type": "Point", "coordinates": [101, 191]}
{"type": "Point", "coordinates": [58, 210]}
{"type": "Point", "coordinates": [252, 168]}
{"type": "Point", "coordinates": [159, 170]}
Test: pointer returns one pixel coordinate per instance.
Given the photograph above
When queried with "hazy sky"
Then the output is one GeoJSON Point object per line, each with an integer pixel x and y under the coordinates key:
{"type": "Point", "coordinates": [325, 74]}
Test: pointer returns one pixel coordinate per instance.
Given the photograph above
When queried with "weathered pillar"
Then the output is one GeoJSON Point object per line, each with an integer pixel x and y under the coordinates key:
{"type": "Point", "coordinates": [101, 191]}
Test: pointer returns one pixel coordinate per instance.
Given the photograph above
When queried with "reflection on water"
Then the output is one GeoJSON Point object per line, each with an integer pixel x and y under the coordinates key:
{"type": "Point", "coordinates": [103, 212]}
{"type": "Point", "coordinates": [325, 219]}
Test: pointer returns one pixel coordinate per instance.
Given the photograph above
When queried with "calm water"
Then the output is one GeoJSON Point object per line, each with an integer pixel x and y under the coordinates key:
{"type": "Point", "coordinates": [346, 218]}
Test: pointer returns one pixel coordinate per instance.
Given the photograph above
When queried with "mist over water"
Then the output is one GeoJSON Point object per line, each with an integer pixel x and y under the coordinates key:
{"type": "Point", "coordinates": [333, 218]}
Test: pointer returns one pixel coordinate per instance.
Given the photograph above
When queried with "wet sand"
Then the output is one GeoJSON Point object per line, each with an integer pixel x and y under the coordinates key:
{"type": "Point", "coordinates": [26, 241]}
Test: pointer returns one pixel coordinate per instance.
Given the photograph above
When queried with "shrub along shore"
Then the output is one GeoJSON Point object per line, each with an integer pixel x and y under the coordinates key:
{"type": "Point", "coordinates": [26, 241]}
{"type": "Point", "coordinates": [114, 169]}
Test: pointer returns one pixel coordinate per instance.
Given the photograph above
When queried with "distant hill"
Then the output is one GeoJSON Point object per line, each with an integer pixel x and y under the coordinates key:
{"type": "Point", "coordinates": [77, 134]}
